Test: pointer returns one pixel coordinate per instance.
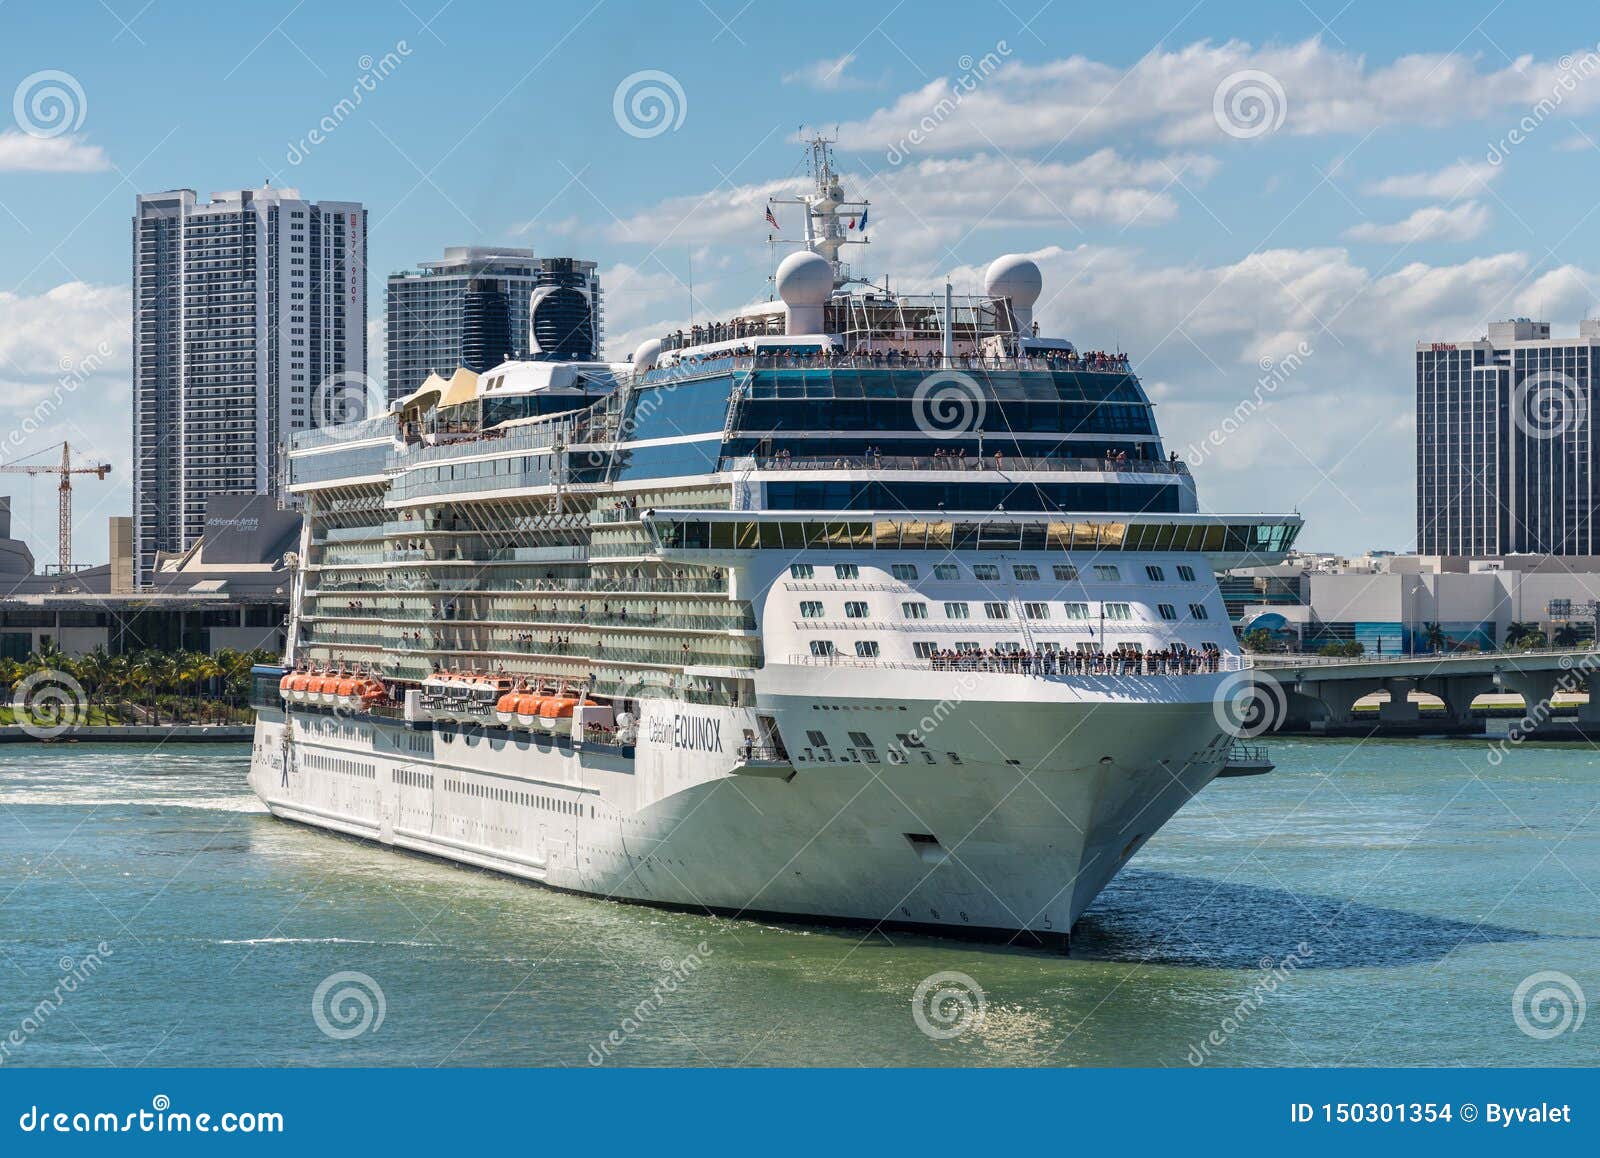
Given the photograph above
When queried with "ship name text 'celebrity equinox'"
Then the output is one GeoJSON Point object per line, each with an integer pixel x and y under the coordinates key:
{"type": "Point", "coordinates": [859, 606]}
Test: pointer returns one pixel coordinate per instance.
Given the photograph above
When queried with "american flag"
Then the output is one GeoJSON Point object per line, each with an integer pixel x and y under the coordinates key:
{"type": "Point", "coordinates": [771, 220]}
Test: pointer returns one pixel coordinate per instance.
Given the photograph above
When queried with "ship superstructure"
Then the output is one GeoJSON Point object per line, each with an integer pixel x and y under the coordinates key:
{"type": "Point", "coordinates": [857, 606]}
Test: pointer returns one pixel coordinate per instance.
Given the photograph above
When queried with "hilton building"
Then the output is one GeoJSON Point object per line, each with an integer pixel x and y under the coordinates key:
{"type": "Point", "coordinates": [1506, 443]}
{"type": "Point", "coordinates": [242, 308]}
{"type": "Point", "coordinates": [477, 307]}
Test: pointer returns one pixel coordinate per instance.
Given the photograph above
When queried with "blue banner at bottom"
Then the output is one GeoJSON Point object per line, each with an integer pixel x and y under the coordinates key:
{"type": "Point", "coordinates": [793, 1111]}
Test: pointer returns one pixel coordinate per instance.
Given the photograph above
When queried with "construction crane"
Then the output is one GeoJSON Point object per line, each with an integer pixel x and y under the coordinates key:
{"type": "Point", "coordinates": [64, 501]}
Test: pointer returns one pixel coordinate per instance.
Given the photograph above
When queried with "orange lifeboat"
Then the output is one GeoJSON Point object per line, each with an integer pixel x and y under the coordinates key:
{"type": "Point", "coordinates": [328, 688]}
{"type": "Point", "coordinates": [369, 692]}
{"type": "Point", "coordinates": [344, 692]}
{"type": "Point", "coordinates": [505, 708]}
{"type": "Point", "coordinates": [526, 709]}
{"type": "Point", "coordinates": [284, 684]}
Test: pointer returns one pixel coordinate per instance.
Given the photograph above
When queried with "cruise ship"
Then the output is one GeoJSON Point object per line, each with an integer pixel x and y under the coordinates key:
{"type": "Point", "coordinates": [858, 607]}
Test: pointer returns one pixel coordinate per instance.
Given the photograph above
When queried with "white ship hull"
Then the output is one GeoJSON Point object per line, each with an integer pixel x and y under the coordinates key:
{"type": "Point", "coordinates": [1006, 824]}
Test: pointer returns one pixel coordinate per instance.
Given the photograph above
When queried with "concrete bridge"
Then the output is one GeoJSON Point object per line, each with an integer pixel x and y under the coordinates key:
{"type": "Point", "coordinates": [1319, 693]}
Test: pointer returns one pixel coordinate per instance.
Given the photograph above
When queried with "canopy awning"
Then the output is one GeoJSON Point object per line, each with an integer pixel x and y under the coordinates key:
{"type": "Point", "coordinates": [463, 388]}
{"type": "Point", "coordinates": [425, 395]}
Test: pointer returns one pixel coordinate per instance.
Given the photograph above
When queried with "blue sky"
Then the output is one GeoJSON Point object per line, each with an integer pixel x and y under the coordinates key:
{"type": "Point", "coordinates": [1268, 276]}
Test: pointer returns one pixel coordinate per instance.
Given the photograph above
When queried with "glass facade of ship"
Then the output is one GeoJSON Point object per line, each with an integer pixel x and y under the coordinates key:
{"type": "Point", "coordinates": [1505, 443]}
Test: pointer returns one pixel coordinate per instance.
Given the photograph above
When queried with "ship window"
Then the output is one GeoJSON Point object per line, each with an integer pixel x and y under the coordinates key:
{"type": "Point", "coordinates": [846, 571]}
{"type": "Point", "coordinates": [816, 739]}
{"type": "Point", "coordinates": [957, 611]}
{"type": "Point", "coordinates": [1036, 610]}
{"type": "Point", "coordinates": [861, 739]}
{"type": "Point", "coordinates": [800, 570]}
{"type": "Point", "coordinates": [967, 646]}
{"type": "Point", "coordinates": [1155, 574]}
{"type": "Point", "coordinates": [1107, 572]}
{"type": "Point", "coordinates": [1076, 610]}
{"type": "Point", "coordinates": [1186, 572]}
{"type": "Point", "coordinates": [985, 571]}
{"type": "Point", "coordinates": [855, 609]}
{"type": "Point", "coordinates": [1118, 611]}
{"type": "Point", "coordinates": [866, 649]}
{"type": "Point", "coordinates": [1065, 572]}
{"type": "Point", "coordinates": [1207, 645]}
{"type": "Point", "coordinates": [946, 571]}
{"type": "Point", "coordinates": [1167, 611]}
{"type": "Point", "coordinates": [914, 610]}
{"type": "Point", "coordinates": [904, 570]}
{"type": "Point", "coordinates": [922, 649]}
{"type": "Point", "coordinates": [811, 608]}
{"type": "Point", "coordinates": [1198, 611]}
{"type": "Point", "coordinates": [1025, 571]}
{"type": "Point", "coordinates": [821, 648]}
{"type": "Point", "coordinates": [997, 610]}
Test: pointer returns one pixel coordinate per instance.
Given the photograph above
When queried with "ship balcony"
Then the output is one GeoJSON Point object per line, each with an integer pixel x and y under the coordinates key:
{"type": "Point", "coordinates": [988, 464]}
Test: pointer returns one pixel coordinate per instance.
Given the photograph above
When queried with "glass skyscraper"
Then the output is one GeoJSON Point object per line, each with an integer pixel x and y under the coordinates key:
{"type": "Point", "coordinates": [471, 309]}
{"type": "Point", "coordinates": [1506, 443]}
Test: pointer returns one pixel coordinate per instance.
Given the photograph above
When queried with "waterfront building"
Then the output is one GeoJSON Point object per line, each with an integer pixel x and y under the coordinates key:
{"type": "Point", "coordinates": [248, 316]}
{"type": "Point", "coordinates": [1505, 442]}
{"type": "Point", "coordinates": [479, 306]}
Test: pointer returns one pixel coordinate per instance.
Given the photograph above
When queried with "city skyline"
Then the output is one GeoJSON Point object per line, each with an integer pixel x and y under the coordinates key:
{"type": "Point", "coordinates": [1268, 253]}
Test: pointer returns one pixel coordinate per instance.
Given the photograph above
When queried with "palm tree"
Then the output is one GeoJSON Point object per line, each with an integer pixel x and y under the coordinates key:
{"type": "Point", "coordinates": [1521, 634]}
{"type": "Point", "coordinates": [1566, 636]}
{"type": "Point", "coordinates": [1433, 635]}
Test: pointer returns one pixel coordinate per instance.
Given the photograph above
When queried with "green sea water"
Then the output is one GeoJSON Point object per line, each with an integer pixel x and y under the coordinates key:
{"type": "Point", "coordinates": [1370, 903]}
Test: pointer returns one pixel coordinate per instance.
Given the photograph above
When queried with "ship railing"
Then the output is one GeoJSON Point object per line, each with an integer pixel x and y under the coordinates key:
{"type": "Point", "coordinates": [619, 587]}
{"type": "Point", "coordinates": [691, 366]}
{"type": "Point", "coordinates": [1004, 462]}
{"type": "Point", "coordinates": [642, 620]}
{"type": "Point", "coordinates": [1046, 664]}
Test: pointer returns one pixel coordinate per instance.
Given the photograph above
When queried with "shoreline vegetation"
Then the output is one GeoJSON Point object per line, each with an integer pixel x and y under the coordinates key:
{"type": "Point", "coordinates": [51, 691]}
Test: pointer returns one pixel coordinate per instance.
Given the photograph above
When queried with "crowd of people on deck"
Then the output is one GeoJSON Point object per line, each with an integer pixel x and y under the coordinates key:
{"type": "Point", "coordinates": [1175, 659]}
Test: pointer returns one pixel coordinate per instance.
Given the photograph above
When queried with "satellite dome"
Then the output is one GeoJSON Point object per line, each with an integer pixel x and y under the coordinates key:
{"type": "Point", "coordinates": [644, 358]}
{"type": "Point", "coordinates": [805, 280]}
{"type": "Point", "coordinates": [1017, 278]}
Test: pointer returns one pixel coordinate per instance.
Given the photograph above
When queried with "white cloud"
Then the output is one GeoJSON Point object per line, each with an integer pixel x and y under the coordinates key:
{"type": "Point", "coordinates": [826, 75]}
{"type": "Point", "coordinates": [23, 153]}
{"type": "Point", "coordinates": [1453, 181]}
{"type": "Point", "coordinates": [1168, 96]}
{"type": "Point", "coordinates": [64, 375]}
{"type": "Point", "coordinates": [1431, 223]}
